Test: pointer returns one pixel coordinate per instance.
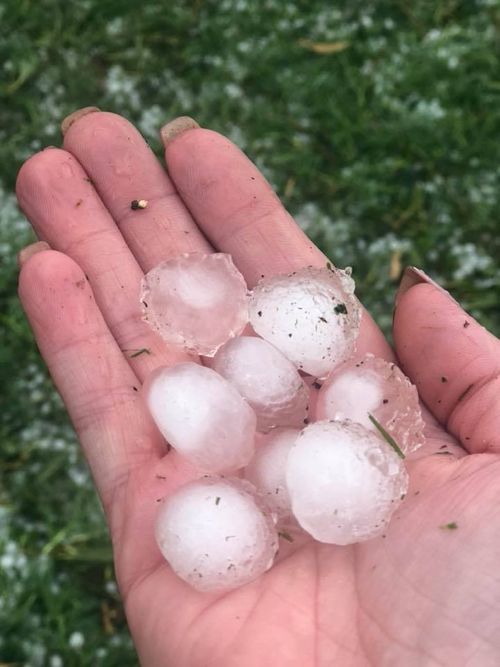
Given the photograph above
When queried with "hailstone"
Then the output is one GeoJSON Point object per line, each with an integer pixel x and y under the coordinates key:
{"type": "Point", "coordinates": [267, 469]}
{"type": "Point", "coordinates": [216, 534]}
{"type": "Point", "coordinates": [196, 301]}
{"type": "Point", "coordinates": [344, 482]}
{"type": "Point", "coordinates": [310, 315]}
{"type": "Point", "coordinates": [371, 385]}
{"type": "Point", "coordinates": [266, 379]}
{"type": "Point", "coordinates": [339, 479]}
{"type": "Point", "coordinates": [202, 416]}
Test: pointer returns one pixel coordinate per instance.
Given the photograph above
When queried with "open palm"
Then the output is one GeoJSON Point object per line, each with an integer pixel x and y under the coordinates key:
{"type": "Point", "coordinates": [425, 593]}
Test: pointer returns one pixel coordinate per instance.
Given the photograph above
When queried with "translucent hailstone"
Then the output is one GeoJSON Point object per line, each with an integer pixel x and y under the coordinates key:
{"type": "Point", "coordinates": [266, 379]}
{"type": "Point", "coordinates": [344, 482]}
{"type": "Point", "coordinates": [215, 534]}
{"type": "Point", "coordinates": [374, 386]}
{"type": "Point", "coordinates": [196, 301]}
{"type": "Point", "coordinates": [267, 470]}
{"type": "Point", "coordinates": [202, 416]}
{"type": "Point", "coordinates": [310, 315]}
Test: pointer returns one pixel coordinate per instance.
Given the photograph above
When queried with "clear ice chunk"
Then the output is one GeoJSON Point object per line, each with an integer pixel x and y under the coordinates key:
{"type": "Point", "coordinates": [216, 534]}
{"type": "Point", "coordinates": [310, 315]}
{"type": "Point", "coordinates": [267, 470]}
{"type": "Point", "coordinates": [202, 416]}
{"type": "Point", "coordinates": [344, 482]}
{"type": "Point", "coordinates": [197, 301]}
{"type": "Point", "coordinates": [266, 379]}
{"type": "Point", "coordinates": [371, 385]}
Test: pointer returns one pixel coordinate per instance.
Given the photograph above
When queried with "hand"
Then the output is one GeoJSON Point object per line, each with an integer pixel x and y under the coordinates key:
{"type": "Point", "coordinates": [425, 593]}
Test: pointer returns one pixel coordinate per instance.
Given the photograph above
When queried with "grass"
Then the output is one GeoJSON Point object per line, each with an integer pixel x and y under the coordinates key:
{"type": "Point", "coordinates": [378, 125]}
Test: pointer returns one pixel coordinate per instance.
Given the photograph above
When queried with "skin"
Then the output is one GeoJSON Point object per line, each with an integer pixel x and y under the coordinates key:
{"type": "Point", "coordinates": [422, 594]}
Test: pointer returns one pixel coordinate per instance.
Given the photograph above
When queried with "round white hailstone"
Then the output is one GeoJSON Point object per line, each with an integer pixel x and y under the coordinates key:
{"type": "Point", "coordinates": [266, 379]}
{"type": "Point", "coordinates": [371, 385]}
{"type": "Point", "coordinates": [344, 482]}
{"type": "Point", "coordinates": [310, 315]}
{"type": "Point", "coordinates": [202, 416]}
{"type": "Point", "coordinates": [216, 534]}
{"type": "Point", "coordinates": [267, 470]}
{"type": "Point", "coordinates": [196, 301]}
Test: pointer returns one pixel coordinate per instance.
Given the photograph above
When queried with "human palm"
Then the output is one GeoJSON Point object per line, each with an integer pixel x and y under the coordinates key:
{"type": "Point", "coordinates": [427, 592]}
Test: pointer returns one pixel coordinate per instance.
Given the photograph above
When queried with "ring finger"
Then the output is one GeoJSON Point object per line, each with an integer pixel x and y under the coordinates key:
{"type": "Point", "coordinates": [62, 202]}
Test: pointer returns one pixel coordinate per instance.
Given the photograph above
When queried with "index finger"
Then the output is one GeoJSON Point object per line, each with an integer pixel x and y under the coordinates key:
{"type": "Point", "coordinates": [238, 211]}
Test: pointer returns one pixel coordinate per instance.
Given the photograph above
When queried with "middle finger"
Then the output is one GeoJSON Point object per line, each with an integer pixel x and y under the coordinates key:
{"type": "Point", "coordinates": [64, 209]}
{"type": "Point", "coordinates": [124, 169]}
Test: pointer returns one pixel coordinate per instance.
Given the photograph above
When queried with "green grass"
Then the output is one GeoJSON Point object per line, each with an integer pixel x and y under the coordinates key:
{"type": "Point", "coordinates": [385, 150]}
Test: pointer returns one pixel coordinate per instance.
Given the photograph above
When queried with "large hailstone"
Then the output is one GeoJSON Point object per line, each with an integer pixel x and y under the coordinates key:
{"type": "Point", "coordinates": [196, 301]}
{"type": "Point", "coordinates": [344, 482]}
{"type": "Point", "coordinates": [215, 534]}
{"type": "Point", "coordinates": [371, 385]}
{"type": "Point", "coordinates": [266, 379]}
{"type": "Point", "coordinates": [202, 416]}
{"type": "Point", "coordinates": [310, 315]}
{"type": "Point", "coordinates": [267, 470]}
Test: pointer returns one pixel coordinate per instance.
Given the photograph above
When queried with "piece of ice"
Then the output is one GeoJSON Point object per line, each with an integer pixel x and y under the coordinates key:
{"type": "Point", "coordinates": [344, 481]}
{"type": "Point", "coordinates": [202, 416]}
{"type": "Point", "coordinates": [266, 379]}
{"type": "Point", "coordinates": [310, 315]}
{"type": "Point", "coordinates": [371, 385]}
{"type": "Point", "coordinates": [196, 301]}
{"type": "Point", "coordinates": [216, 534]}
{"type": "Point", "coordinates": [267, 469]}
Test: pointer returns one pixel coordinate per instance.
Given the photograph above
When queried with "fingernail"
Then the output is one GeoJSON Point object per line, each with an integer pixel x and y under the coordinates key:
{"type": "Point", "coordinates": [30, 250]}
{"type": "Point", "coordinates": [73, 117]}
{"type": "Point", "coordinates": [413, 276]}
{"type": "Point", "coordinates": [176, 127]}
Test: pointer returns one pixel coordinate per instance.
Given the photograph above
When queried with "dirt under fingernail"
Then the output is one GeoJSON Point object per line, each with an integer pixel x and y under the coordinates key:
{"type": "Point", "coordinates": [30, 250]}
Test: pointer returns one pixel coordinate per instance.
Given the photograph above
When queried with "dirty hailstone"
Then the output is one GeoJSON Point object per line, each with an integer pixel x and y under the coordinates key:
{"type": "Point", "coordinates": [371, 385]}
{"type": "Point", "coordinates": [215, 534]}
{"type": "Point", "coordinates": [202, 416]}
{"type": "Point", "coordinates": [266, 379]}
{"type": "Point", "coordinates": [196, 301]}
{"type": "Point", "coordinates": [267, 470]}
{"type": "Point", "coordinates": [310, 315]}
{"type": "Point", "coordinates": [344, 482]}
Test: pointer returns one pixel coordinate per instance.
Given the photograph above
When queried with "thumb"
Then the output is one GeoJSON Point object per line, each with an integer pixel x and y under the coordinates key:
{"type": "Point", "coordinates": [453, 361]}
